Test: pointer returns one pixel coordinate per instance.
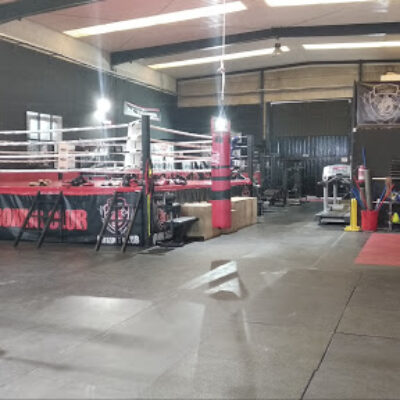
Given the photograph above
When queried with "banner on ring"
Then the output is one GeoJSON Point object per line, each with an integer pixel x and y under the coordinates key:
{"type": "Point", "coordinates": [133, 110]}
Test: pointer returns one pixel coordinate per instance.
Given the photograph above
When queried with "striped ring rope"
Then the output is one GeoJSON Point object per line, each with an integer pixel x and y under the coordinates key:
{"type": "Point", "coordinates": [55, 155]}
{"type": "Point", "coordinates": [191, 146]}
{"type": "Point", "coordinates": [101, 170]}
{"type": "Point", "coordinates": [180, 133]}
{"type": "Point", "coordinates": [180, 154]}
{"type": "Point", "coordinates": [51, 160]}
{"type": "Point", "coordinates": [104, 128]}
{"type": "Point", "coordinates": [91, 142]}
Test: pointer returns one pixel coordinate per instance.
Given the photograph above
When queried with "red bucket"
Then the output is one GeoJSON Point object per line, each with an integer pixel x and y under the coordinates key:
{"type": "Point", "coordinates": [369, 220]}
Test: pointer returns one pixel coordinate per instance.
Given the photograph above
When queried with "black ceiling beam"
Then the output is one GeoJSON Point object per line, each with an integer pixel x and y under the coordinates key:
{"type": "Point", "coordinates": [121, 57]}
{"type": "Point", "coordinates": [26, 8]}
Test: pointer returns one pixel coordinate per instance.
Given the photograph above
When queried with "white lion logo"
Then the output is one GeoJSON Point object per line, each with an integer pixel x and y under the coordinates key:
{"type": "Point", "coordinates": [383, 102]}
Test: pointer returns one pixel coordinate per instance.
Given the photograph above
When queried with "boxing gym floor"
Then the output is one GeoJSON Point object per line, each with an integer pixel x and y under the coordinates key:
{"type": "Point", "coordinates": [278, 310]}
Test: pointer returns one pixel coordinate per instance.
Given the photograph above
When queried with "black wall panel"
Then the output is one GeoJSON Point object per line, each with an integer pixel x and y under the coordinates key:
{"type": "Point", "coordinates": [312, 147]}
{"type": "Point", "coordinates": [246, 119]}
{"type": "Point", "coordinates": [32, 81]}
{"type": "Point", "coordinates": [382, 146]}
{"type": "Point", "coordinates": [317, 118]}
{"type": "Point", "coordinates": [316, 133]}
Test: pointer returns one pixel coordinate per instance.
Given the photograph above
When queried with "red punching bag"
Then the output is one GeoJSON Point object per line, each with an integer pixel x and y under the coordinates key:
{"type": "Point", "coordinates": [221, 173]}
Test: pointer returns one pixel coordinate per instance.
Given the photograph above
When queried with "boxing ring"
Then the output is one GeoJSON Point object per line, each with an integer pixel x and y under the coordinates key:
{"type": "Point", "coordinates": [118, 163]}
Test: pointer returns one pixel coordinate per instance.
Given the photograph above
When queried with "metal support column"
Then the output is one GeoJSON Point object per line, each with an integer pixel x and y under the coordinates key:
{"type": "Point", "coordinates": [263, 154]}
{"type": "Point", "coordinates": [250, 161]}
{"type": "Point", "coordinates": [262, 105]}
{"type": "Point", "coordinates": [353, 130]}
{"type": "Point", "coordinates": [268, 127]}
{"type": "Point", "coordinates": [360, 71]}
{"type": "Point", "coordinates": [268, 143]}
{"type": "Point", "coordinates": [146, 174]}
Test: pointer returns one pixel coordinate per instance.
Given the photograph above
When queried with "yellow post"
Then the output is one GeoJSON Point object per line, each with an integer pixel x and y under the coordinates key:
{"type": "Point", "coordinates": [353, 227]}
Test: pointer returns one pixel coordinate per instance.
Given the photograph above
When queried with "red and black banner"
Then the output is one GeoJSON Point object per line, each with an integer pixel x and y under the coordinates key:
{"type": "Point", "coordinates": [82, 221]}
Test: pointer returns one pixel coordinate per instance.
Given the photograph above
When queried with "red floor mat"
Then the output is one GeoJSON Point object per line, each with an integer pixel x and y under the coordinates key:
{"type": "Point", "coordinates": [381, 249]}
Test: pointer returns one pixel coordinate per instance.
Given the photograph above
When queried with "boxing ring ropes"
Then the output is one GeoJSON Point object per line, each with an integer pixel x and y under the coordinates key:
{"type": "Point", "coordinates": [98, 155]}
{"type": "Point", "coordinates": [193, 154]}
{"type": "Point", "coordinates": [95, 151]}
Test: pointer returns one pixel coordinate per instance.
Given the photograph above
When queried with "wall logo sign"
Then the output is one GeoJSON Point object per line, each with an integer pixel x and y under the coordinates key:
{"type": "Point", "coordinates": [383, 102]}
{"type": "Point", "coordinates": [120, 217]}
{"type": "Point", "coordinates": [133, 110]}
{"type": "Point", "coordinates": [378, 103]}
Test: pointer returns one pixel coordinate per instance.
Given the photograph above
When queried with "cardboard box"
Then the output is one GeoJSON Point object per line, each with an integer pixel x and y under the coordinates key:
{"type": "Point", "coordinates": [235, 224]}
{"type": "Point", "coordinates": [239, 204]}
{"type": "Point", "coordinates": [244, 213]}
{"type": "Point", "coordinates": [202, 229]}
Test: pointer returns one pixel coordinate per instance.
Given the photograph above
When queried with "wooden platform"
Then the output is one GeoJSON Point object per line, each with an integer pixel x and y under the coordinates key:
{"type": "Point", "coordinates": [244, 213]}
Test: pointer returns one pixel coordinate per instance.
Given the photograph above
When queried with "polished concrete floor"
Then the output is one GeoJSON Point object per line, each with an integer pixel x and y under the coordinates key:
{"type": "Point", "coordinates": [275, 311]}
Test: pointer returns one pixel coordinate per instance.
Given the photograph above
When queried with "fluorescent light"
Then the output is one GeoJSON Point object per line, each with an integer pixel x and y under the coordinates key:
{"type": "Point", "coordinates": [221, 124]}
{"type": "Point", "coordinates": [288, 3]}
{"type": "Point", "coordinates": [161, 19]}
{"type": "Point", "coordinates": [356, 45]}
{"type": "Point", "coordinates": [213, 59]}
{"type": "Point", "coordinates": [103, 105]}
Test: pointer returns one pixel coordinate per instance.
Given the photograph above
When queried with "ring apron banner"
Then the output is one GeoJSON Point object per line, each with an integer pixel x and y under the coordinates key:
{"type": "Point", "coordinates": [84, 216]}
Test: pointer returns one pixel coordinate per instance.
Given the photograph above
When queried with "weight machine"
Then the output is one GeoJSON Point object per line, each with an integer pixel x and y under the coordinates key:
{"type": "Point", "coordinates": [336, 209]}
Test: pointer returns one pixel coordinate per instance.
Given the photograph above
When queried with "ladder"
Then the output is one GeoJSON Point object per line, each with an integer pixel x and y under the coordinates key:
{"type": "Point", "coordinates": [124, 238]}
{"type": "Point", "coordinates": [46, 210]}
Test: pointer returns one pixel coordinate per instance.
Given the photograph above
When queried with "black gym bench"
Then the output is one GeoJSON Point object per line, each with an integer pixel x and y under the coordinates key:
{"type": "Point", "coordinates": [179, 228]}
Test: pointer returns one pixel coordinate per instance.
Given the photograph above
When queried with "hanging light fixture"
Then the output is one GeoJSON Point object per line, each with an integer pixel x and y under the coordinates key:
{"type": "Point", "coordinates": [277, 49]}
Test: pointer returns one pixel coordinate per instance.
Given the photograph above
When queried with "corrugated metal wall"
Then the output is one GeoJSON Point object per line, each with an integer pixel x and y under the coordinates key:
{"type": "Point", "coordinates": [314, 118]}
{"type": "Point", "coordinates": [312, 134]}
{"type": "Point", "coordinates": [312, 152]}
{"type": "Point", "coordinates": [246, 119]}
